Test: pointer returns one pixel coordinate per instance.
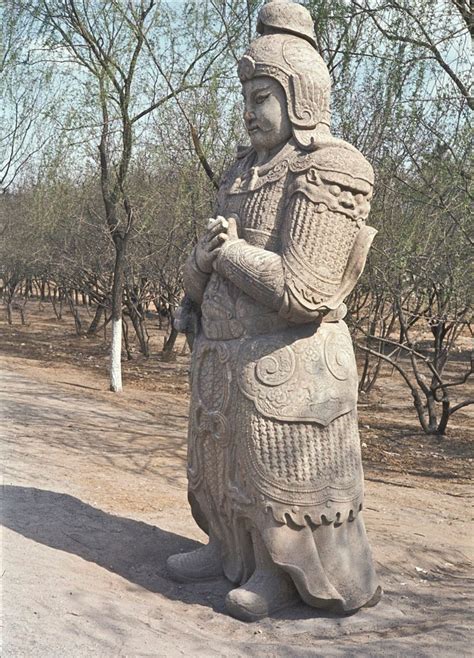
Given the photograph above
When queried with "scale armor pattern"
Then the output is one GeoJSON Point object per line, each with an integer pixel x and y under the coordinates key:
{"type": "Point", "coordinates": [306, 453]}
{"type": "Point", "coordinates": [318, 247]}
{"type": "Point", "coordinates": [317, 234]}
{"type": "Point", "coordinates": [260, 210]}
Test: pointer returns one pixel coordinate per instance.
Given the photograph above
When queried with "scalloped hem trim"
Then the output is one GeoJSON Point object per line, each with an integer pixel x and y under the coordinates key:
{"type": "Point", "coordinates": [330, 511]}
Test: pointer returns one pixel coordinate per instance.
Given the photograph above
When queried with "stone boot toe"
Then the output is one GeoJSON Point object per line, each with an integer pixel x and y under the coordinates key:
{"type": "Point", "coordinates": [263, 594]}
{"type": "Point", "coordinates": [202, 564]}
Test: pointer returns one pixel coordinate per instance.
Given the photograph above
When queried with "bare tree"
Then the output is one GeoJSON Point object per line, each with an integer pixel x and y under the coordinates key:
{"type": "Point", "coordinates": [106, 41]}
{"type": "Point", "coordinates": [429, 27]}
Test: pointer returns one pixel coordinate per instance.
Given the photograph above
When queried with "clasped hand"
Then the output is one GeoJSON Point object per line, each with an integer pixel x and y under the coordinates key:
{"type": "Point", "coordinates": [218, 231]}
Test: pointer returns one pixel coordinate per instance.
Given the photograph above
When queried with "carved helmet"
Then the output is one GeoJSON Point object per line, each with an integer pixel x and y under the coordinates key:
{"type": "Point", "coordinates": [286, 52]}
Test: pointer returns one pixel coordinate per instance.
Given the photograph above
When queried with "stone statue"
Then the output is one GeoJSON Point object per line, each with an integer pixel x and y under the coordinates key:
{"type": "Point", "coordinates": [274, 464]}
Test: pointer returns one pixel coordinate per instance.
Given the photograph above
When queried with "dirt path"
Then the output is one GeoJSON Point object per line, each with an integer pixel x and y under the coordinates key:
{"type": "Point", "coordinates": [95, 500]}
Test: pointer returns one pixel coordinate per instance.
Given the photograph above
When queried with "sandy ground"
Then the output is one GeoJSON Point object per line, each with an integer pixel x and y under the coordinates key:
{"type": "Point", "coordinates": [95, 500]}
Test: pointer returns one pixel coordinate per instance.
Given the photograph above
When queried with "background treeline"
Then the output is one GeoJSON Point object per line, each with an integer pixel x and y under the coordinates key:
{"type": "Point", "coordinates": [119, 118]}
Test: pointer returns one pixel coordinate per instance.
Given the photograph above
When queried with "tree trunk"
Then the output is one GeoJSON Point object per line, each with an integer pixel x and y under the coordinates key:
{"type": "Point", "coordinates": [58, 309]}
{"type": "Point", "coordinates": [125, 339]}
{"type": "Point", "coordinates": [117, 287]}
{"type": "Point", "coordinates": [107, 320]}
{"type": "Point", "coordinates": [94, 325]}
{"type": "Point", "coordinates": [43, 290]}
{"type": "Point", "coordinates": [116, 356]}
{"type": "Point", "coordinates": [139, 324]}
{"type": "Point", "coordinates": [445, 413]}
{"type": "Point", "coordinates": [170, 341]}
{"type": "Point", "coordinates": [22, 309]}
{"type": "Point", "coordinates": [75, 311]}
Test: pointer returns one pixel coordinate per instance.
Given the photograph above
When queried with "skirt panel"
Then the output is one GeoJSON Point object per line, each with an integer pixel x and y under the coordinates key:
{"type": "Point", "coordinates": [299, 484]}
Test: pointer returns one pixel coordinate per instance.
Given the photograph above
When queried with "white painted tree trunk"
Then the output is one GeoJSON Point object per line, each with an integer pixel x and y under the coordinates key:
{"type": "Point", "coordinates": [116, 356]}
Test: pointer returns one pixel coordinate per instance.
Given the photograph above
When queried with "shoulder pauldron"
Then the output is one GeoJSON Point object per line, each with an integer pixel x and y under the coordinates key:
{"type": "Point", "coordinates": [337, 178]}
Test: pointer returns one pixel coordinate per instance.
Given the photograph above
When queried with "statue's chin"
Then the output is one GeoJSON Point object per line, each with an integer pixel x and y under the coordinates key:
{"type": "Point", "coordinates": [263, 145]}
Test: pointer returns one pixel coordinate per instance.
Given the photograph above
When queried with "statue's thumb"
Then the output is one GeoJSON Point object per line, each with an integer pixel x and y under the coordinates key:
{"type": "Point", "coordinates": [232, 228]}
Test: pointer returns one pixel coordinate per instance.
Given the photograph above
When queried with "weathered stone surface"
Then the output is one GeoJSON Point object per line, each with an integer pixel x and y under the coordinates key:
{"type": "Point", "coordinates": [274, 465]}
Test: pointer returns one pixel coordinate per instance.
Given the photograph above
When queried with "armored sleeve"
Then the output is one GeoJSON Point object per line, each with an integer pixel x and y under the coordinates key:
{"type": "Point", "coordinates": [256, 271]}
{"type": "Point", "coordinates": [324, 246]}
{"type": "Point", "coordinates": [194, 280]}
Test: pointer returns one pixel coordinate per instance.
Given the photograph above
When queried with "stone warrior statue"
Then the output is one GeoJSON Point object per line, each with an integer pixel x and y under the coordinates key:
{"type": "Point", "coordinates": [274, 464]}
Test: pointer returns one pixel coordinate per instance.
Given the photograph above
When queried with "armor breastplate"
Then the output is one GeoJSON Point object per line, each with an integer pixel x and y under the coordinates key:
{"type": "Point", "coordinates": [256, 198]}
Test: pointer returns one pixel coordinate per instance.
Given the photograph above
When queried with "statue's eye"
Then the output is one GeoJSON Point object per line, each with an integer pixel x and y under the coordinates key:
{"type": "Point", "coordinates": [261, 98]}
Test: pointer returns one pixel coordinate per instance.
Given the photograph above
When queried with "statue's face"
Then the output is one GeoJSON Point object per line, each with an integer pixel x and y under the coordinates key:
{"type": "Point", "coordinates": [265, 113]}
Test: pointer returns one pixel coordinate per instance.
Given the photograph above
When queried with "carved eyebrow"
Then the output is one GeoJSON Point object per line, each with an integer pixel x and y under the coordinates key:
{"type": "Point", "coordinates": [256, 92]}
{"type": "Point", "coordinates": [261, 90]}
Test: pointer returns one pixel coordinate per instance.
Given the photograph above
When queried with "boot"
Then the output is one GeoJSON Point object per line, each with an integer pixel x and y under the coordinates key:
{"type": "Point", "coordinates": [202, 564]}
{"type": "Point", "coordinates": [269, 589]}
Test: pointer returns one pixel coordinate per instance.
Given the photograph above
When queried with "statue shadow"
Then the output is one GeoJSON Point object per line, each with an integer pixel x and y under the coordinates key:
{"type": "Point", "coordinates": [132, 549]}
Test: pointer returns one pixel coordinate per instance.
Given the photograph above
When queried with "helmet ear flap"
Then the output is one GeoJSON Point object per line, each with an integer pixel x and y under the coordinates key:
{"type": "Point", "coordinates": [303, 109]}
{"type": "Point", "coordinates": [308, 109]}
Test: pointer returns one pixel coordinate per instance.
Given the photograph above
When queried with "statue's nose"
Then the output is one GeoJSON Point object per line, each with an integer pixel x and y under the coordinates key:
{"type": "Point", "coordinates": [249, 115]}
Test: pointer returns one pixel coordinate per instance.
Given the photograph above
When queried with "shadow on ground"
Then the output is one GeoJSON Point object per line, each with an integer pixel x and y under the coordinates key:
{"type": "Point", "coordinates": [137, 552]}
{"type": "Point", "coordinates": [132, 549]}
